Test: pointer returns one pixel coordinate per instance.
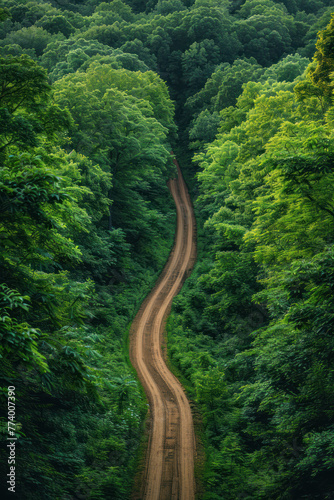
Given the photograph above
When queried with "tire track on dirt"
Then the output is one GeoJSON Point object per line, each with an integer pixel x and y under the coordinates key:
{"type": "Point", "coordinates": [169, 471]}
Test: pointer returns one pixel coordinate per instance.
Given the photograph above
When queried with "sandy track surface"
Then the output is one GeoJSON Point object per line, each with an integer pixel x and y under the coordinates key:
{"type": "Point", "coordinates": [169, 472]}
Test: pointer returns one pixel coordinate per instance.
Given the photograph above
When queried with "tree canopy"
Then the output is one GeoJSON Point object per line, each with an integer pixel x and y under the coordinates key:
{"type": "Point", "coordinates": [93, 98]}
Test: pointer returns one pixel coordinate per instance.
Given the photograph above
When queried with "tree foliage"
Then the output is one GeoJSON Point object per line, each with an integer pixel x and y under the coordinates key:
{"type": "Point", "coordinates": [264, 291]}
{"type": "Point", "coordinates": [86, 128]}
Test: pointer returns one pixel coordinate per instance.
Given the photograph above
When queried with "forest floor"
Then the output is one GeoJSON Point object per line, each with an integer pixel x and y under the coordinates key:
{"type": "Point", "coordinates": [169, 468]}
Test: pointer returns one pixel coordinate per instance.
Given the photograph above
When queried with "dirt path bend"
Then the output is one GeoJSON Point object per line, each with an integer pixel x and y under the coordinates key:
{"type": "Point", "coordinates": [169, 472]}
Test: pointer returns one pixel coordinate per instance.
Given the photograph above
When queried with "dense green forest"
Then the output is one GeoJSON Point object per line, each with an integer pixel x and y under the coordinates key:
{"type": "Point", "coordinates": [93, 97]}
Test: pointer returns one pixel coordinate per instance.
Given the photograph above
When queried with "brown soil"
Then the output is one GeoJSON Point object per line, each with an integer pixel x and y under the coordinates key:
{"type": "Point", "coordinates": [169, 470]}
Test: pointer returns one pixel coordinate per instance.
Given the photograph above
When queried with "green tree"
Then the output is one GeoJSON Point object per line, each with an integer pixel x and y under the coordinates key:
{"type": "Point", "coordinates": [198, 62]}
{"type": "Point", "coordinates": [30, 38]}
{"type": "Point", "coordinates": [164, 7]}
{"type": "Point", "coordinates": [321, 75]}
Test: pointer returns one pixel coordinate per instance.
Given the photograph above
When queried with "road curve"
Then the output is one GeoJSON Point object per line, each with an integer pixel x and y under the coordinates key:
{"type": "Point", "coordinates": [169, 471]}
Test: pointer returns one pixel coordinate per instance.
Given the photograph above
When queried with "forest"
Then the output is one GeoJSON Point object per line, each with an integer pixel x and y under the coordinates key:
{"type": "Point", "coordinates": [94, 96]}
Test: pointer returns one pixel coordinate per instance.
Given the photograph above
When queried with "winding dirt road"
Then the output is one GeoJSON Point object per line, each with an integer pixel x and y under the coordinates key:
{"type": "Point", "coordinates": [169, 472]}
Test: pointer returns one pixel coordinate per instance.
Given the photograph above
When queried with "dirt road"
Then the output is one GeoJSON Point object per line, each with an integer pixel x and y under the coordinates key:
{"type": "Point", "coordinates": [169, 472]}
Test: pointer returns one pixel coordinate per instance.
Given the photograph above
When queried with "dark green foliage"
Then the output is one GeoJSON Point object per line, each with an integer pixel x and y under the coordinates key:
{"type": "Point", "coordinates": [264, 290]}
{"type": "Point", "coordinates": [56, 24]}
{"type": "Point", "coordinates": [34, 38]}
{"type": "Point", "coordinates": [68, 56]}
{"type": "Point", "coordinates": [86, 222]}
{"type": "Point", "coordinates": [71, 280]}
